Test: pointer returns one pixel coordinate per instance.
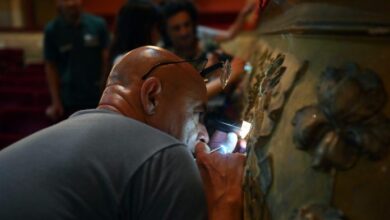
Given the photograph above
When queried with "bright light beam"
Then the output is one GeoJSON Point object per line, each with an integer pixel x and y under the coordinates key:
{"type": "Point", "coordinates": [245, 128]}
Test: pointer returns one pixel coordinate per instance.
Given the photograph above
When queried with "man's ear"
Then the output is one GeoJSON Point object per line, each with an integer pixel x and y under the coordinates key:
{"type": "Point", "coordinates": [150, 90]}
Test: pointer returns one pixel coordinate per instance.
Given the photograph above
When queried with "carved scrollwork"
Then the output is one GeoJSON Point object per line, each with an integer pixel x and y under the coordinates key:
{"type": "Point", "coordinates": [259, 63]}
{"type": "Point", "coordinates": [347, 121]}
{"type": "Point", "coordinates": [263, 92]}
{"type": "Point", "coordinates": [318, 212]}
{"type": "Point", "coordinates": [270, 84]}
{"type": "Point", "coordinates": [272, 75]}
{"type": "Point", "coordinates": [257, 173]}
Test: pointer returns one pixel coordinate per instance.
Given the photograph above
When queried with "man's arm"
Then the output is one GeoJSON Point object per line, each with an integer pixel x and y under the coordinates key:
{"type": "Point", "coordinates": [55, 111]}
{"type": "Point", "coordinates": [238, 23]}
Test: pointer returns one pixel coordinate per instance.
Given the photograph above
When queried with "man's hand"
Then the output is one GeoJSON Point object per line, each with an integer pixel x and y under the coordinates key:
{"type": "Point", "coordinates": [55, 111]}
{"type": "Point", "coordinates": [248, 8]}
{"type": "Point", "coordinates": [222, 176]}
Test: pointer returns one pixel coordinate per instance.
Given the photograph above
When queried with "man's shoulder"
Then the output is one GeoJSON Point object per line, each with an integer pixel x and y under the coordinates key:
{"type": "Point", "coordinates": [52, 24]}
{"type": "Point", "coordinates": [111, 121]}
{"type": "Point", "coordinates": [108, 128]}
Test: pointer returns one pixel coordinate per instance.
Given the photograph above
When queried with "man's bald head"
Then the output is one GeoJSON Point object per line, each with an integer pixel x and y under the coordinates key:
{"type": "Point", "coordinates": [139, 61]}
{"type": "Point", "coordinates": [170, 98]}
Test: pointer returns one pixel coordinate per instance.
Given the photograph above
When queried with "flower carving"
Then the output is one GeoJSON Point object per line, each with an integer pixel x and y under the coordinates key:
{"type": "Point", "coordinates": [347, 122]}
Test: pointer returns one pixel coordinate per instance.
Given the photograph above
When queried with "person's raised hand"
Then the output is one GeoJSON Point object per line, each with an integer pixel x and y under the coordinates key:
{"type": "Point", "coordinates": [222, 176]}
{"type": "Point", "coordinates": [248, 8]}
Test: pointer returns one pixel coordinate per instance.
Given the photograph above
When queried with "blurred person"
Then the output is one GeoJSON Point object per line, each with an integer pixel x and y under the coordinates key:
{"type": "Point", "coordinates": [137, 24]}
{"type": "Point", "coordinates": [181, 30]}
{"type": "Point", "coordinates": [180, 35]}
{"type": "Point", "coordinates": [131, 157]}
{"type": "Point", "coordinates": [75, 52]}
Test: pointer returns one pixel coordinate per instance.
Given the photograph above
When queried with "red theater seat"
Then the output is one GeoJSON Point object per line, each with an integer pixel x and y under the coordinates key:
{"type": "Point", "coordinates": [23, 97]}
{"type": "Point", "coordinates": [23, 119]}
{"type": "Point", "coordinates": [22, 81]}
{"type": "Point", "coordinates": [11, 57]}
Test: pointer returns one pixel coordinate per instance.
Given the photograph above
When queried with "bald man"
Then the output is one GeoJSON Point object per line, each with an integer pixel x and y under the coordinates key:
{"type": "Point", "coordinates": [131, 158]}
{"type": "Point", "coordinates": [128, 159]}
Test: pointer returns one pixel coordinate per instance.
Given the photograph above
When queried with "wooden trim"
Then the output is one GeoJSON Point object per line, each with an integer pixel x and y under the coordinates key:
{"type": "Point", "coordinates": [20, 30]}
{"type": "Point", "coordinates": [28, 9]}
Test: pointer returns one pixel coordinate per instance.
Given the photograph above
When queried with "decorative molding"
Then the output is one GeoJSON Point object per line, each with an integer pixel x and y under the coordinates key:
{"type": "Point", "coordinates": [302, 18]}
{"type": "Point", "coordinates": [347, 122]}
{"type": "Point", "coordinates": [257, 174]}
{"type": "Point", "coordinates": [259, 63]}
{"type": "Point", "coordinates": [270, 84]}
{"type": "Point", "coordinates": [269, 91]}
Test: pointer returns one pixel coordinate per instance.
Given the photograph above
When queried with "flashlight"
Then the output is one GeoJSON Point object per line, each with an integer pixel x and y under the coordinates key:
{"type": "Point", "coordinates": [245, 128]}
{"type": "Point", "coordinates": [225, 138]}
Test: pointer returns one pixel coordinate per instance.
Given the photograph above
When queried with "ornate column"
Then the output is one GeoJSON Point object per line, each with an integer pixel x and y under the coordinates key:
{"type": "Point", "coordinates": [318, 97]}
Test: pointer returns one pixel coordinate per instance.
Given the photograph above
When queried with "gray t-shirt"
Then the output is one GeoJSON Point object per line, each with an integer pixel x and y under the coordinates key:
{"type": "Point", "coordinates": [99, 165]}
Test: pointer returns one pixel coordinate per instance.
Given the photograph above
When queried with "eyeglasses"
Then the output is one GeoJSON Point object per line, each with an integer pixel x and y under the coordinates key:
{"type": "Point", "coordinates": [199, 65]}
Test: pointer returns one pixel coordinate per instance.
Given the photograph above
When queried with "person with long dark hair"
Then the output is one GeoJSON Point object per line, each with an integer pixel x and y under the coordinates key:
{"type": "Point", "coordinates": [137, 24]}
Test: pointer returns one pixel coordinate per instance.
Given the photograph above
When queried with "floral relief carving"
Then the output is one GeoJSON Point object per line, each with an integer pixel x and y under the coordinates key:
{"type": "Point", "coordinates": [347, 122]}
